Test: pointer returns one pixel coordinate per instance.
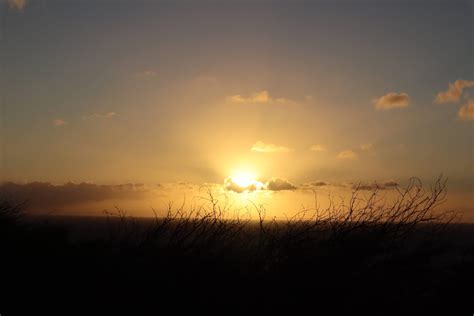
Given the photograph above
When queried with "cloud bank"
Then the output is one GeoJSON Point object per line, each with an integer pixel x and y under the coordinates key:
{"type": "Point", "coordinates": [45, 196]}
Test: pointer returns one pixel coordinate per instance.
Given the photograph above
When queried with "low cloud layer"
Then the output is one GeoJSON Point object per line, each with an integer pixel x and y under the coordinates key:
{"type": "Point", "coordinates": [392, 100]}
{"type": "Point", "coordinates": [46, 196]}
{"type": "Point", "coordinates": [260, 97]}
{"type": "Point", "coordinates": [269, 148]}
{"type": "Point", "coordinates": [454, 92]}
{"type": "Point", "coordinates": [318, 184]}
{"type": "Point", "coordinates": [376, 186]}
{"type": "Point", "coordinates": [279, 184]}
{"type": "Point", "coordinates": [466, 112]}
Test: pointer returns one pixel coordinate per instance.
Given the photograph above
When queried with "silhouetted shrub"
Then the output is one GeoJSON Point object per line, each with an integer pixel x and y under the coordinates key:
{"type": "Point", "coordinates": [367, 255]}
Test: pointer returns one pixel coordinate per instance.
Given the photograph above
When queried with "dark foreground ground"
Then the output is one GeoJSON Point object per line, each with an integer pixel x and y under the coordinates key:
{"type": "Point", "coordinates": [168, 266]}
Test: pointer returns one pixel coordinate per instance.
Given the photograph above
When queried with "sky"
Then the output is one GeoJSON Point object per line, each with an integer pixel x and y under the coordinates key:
{"type": "Point", "coordinates": [181, 94]}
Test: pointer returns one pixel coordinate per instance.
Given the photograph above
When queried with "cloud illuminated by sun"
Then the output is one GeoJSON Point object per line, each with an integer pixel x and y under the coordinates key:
{"type": "Point", "coordinates": [243, 181]}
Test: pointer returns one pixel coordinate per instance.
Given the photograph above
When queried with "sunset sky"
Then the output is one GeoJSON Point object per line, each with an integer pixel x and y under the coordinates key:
{"type": "Point", "coordinates": [283, 94]}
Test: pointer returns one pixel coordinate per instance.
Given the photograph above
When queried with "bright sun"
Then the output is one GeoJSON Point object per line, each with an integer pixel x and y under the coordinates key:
{"type": "Point", "coordinates": [245, 181]}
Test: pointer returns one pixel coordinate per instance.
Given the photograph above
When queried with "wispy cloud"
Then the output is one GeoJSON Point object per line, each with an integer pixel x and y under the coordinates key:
{"type": "Point", "coordinates": [391, 100]}
{"type": "Point", "coordinates": [59, 122]}
{"type": "Point", "coordinates": [367, 147]}
{"type": "Point", "coordinates": [99, 116]}
{"type": "Point", "coordinates": [454, 92]}
{"type": "Point", "coordinates": [317, 148]}
{"type": "Point", "coordinates": [145, 74]}
{"type": "Point", "coordinates": [466, 112]}
{"type": "Point", "coordinates": [347, 155]}
{"type": "Point", "coordinates": [17, 4]}
{"type": "Point", "coordinates": [205, 81]}
{"type": "Point", "coordinates": [269, 148]}
{"type": "Point", "coordinates": [260, 97]}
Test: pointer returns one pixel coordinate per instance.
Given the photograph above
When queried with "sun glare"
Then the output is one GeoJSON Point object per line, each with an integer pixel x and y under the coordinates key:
{"type": "Point", "coordinates": [243, 181]}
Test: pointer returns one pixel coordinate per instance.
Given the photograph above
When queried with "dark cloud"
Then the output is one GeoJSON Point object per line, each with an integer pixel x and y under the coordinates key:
{"type": "Point", "coordinates": [278, 184]}
{"type": "Point", "coordinates": [44, 195]}
{"type": "Point", "coordinates": [368, 187]}
{"type": "Point", "coordinates": [319, 183]}
{"type": "Point", "coordinates": [376, 186]}
{"type": "Point", "coordinates": [390, 184]}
